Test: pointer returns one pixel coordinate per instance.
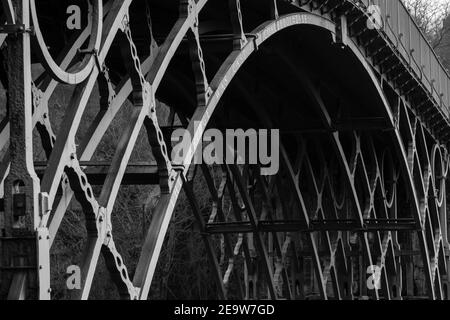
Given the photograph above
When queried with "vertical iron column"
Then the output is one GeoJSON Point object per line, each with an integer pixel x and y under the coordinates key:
{"type": "Point", "coordinates": [24, 269]}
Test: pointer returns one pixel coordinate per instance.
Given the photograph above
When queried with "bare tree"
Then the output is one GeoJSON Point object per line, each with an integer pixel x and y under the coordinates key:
{"type": "Point", "coordinates": [431, 16]}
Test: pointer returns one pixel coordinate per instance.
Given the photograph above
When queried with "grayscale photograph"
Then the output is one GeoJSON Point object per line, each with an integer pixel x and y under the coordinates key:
{"type": "Point", "coordinates": [225, 158]}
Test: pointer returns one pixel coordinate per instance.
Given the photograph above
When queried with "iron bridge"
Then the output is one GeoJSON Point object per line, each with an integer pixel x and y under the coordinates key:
{"type": "Point", "coordinates": [361, 102]}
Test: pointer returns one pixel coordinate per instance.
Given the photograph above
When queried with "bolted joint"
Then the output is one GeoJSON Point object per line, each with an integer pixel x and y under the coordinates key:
{"type": "Point", "coordinates": [125, 25]}
{"type": "Point", "coordinates": [43, 204]}
{"type": "Point", "coordinates": [188, 8]}
{"type": "Point", "coordinates": [149, 100]}
{"type": "Point", "coordinates": [93, 52]}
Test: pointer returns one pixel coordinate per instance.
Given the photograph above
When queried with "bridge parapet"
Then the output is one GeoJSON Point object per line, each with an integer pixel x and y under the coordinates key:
{"type": "Point", "coordinates": [403, 31]}
{"type": "Point", "coordinates": [406, 59]}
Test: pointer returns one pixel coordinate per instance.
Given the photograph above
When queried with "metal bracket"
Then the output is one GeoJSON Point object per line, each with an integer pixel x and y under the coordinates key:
{"type": "Point", "coordinates": [15, 29]}
{"type": "Point", "coordinates": [341, 36]}
{"type": "Point", "coordinates": [93, 52]}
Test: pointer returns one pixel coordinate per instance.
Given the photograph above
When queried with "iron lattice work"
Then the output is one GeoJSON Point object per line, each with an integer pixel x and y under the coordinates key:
{"type": "Point", "coordinates": [363, 154]}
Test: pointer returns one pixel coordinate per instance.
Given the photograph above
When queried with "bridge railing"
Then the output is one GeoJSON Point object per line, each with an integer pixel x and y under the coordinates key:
{"type": "Point", "coordinates": [404, 33]}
